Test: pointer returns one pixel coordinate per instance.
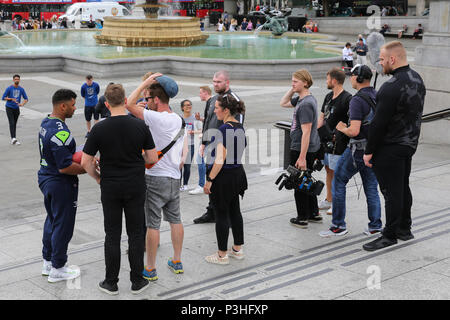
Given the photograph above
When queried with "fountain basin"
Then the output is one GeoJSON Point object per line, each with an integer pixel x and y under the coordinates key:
{"type": "Point", "coordinates": [244, 54]}
{"type": "Point", "coordinates": [151, 32]}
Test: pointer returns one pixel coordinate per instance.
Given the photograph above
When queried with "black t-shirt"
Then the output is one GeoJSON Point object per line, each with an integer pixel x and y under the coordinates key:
{"type": "Point", "coordinates": [336, 110]}
{"type": "Point", "coordinates": [120, 140]}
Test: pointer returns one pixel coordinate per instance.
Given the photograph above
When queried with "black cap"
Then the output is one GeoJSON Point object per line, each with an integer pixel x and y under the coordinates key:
{"type": "Point", "coordinates": [362, 70]}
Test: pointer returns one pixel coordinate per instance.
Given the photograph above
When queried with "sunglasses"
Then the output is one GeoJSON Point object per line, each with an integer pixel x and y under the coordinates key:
{"type": "Point", "coordinates": [148, 98]}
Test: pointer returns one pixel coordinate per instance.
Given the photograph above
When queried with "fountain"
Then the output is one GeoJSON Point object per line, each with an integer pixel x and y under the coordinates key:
{"type": "Point", "coordinates": [6, 34]}
{"type": "Point", "coordinates": [151, 31]}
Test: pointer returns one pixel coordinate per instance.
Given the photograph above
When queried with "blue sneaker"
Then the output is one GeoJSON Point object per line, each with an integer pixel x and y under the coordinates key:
{"type": "Point", "coordinates": [150, 274]}
{"type": "Point", "coordinates": [175, 266]}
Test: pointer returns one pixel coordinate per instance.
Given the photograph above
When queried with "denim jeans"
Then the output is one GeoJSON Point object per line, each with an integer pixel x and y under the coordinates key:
{"type": "Point", "coordinates": [344, 172]}
{"type": "Point", "coordinates": [201, 170]}
{"type": "Point", "coordinates": [187, 165]}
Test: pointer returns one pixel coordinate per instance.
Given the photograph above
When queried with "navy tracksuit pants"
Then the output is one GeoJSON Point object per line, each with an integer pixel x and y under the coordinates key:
{"type": "Point", "coordinates": [60, 200]}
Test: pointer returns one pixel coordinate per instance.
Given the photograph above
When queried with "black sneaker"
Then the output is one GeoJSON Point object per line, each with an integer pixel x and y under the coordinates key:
{"type": "Point", "coordinates": [380, 243]}
{"type": "Point", "coordinates": [111, 289]}
{"type": "Point", "coordinates": [206, 218]}
{"type": "Point", "coordinates": [139, 286]}
{"type": "Point", "coordinates": [299, 223]}
{"type": "Point", "coordinates": [316, 219]}
{"type": "Point", "coordinates": [405, 236]}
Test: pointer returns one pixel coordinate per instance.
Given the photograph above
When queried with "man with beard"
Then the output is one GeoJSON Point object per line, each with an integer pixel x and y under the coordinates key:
{"type": "Point", "coordinates": [221, 83]}
{"type": "Point", "coordinates": [393, 138]}
{"type": "Point", "coordinates": [58, 182]}
{"type": "Point", "coordinates": [334, 110]}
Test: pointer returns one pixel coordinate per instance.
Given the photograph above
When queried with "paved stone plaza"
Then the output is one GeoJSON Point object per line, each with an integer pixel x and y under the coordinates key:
{"type": "Point", "coordinates": [282, 262]}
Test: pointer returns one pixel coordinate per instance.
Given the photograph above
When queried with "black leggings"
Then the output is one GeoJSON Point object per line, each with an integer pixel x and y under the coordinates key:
{"type": "Point", "coordinates": [225, 199]}
{"type": "Point", "coordinates": [13, 116]}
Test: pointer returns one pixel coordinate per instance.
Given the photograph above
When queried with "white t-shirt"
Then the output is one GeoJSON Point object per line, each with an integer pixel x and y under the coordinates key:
{"type": "Point", "coordinates": [346, 54]}
{"type": "Point", "coordinates": [164, 127]}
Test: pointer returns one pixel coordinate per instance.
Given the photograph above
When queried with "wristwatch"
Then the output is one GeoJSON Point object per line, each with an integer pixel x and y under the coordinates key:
{"type": "Point", "coordinates": [208, 178]}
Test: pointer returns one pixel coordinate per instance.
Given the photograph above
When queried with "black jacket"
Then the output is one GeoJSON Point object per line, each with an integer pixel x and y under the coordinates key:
{"type": "Point", "coordinates": [398, 113]}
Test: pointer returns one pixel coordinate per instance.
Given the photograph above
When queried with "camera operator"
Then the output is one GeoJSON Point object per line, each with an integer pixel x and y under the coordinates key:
{"type": "Point", "coordinates": [361, 111]}
{"type": "Point", "coordinates": [305, 142]}
{"type": "Point", "coordinates": [334, 110]}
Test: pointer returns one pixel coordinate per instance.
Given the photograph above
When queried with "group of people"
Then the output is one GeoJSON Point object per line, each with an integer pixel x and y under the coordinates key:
{"type": "Point", "coordinates": [371, 133]}
{"type": "Point", "coordinates": [231, 26]}
{"type": "Point", "coordinates": [35, 24]}
{"type": "Point", "coordinates": [136, 154]}
{"type": "Point", "coordinates": [360, 49]}
{"type": "Point", "coordinates": [138, 151]}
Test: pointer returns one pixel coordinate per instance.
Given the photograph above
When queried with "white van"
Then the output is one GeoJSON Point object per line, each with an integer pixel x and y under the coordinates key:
{"type": "Point", "coordinates": [82, 11]}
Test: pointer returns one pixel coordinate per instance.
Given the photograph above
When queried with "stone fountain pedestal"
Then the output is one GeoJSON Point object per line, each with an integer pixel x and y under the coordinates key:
{"type": "Point", "coordinates": [151, 31]}
{"type": "Point", "coordinates": [158, 32]}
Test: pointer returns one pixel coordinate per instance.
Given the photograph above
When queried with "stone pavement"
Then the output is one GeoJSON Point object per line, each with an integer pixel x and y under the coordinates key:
{"type": "Point", "coordinates": [282, 262]}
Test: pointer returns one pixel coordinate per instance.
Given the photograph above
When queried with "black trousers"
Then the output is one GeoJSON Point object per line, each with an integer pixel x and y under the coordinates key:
{"type": "Point", "coordinates": [13, 116]}
{"type": "Point", "coordinates": [306, 204]}
{"type": "Point", "coordinates": [225, 199]}
{"type": "Point", "coordinates": [115, 200]}
{"type": "Point", "coordinates": [392, 167]}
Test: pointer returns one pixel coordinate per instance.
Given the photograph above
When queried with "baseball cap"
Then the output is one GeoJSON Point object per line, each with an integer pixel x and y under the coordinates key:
{"type": "Point", "coordinates": [364, 70]}
{"type": "Point", "coordinates": [169, 85]}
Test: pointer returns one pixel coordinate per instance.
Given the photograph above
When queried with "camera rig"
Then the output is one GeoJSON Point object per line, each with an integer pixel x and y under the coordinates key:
{"type": "Point", "coordinates": [301, 180]}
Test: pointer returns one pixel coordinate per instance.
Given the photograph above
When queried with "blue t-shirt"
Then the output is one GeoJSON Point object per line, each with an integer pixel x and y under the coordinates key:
{"type": "Point", "coordinates": [359, 109]}
{"type": "Point", "coordinates": [232, 136]}
{"type": "Point", "coordinates": [90, 94]}
{"type": "Point", "coordinates": [16, 93]}
{"type": "Point", "coordinates": [56, 147]}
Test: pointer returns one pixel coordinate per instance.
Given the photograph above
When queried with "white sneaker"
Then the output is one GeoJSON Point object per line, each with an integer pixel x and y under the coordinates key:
{"type": "Point", "coordinates": [17, 143]}
{"type": "Point", "coordinates": [236, 255]}
{"type": "Point", "coordinates": [214, 258]}
{"type": "Point", "coordinates": [369, 233]}
{"type": "Point", "coordinates": [184, 188]}
{"type": "Point", "coordinates": [198, 190]}
{"type": "Point", "coordinates": [324, 204]}
{"type": "Point", "coordinates": [46, 268]}
{"type": "Point", "coordinates": [330, 211]}
{"type": "Point", "coordinates": [13, 141]}
{"type": "Point", "coordinates": [62, 274]}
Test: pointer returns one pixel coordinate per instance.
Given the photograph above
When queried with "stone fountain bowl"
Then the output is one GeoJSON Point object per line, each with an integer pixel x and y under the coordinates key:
{"type": "Point", "coordinates": [151, 32]}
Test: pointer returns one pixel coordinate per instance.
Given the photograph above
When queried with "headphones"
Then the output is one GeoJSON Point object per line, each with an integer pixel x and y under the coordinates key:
{"type": "Point", "coordinates": [359, 76]}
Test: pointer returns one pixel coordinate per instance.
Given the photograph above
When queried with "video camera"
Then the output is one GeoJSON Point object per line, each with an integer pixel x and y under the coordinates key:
{"type": "Point", "coordinates": [301, 179]}
{"type": "Point", "coordinates": [326, 138]}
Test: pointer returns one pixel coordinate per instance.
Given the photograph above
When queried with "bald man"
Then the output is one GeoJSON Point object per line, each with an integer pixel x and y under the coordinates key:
{"type": "Point", "coordinates": [393, 139]}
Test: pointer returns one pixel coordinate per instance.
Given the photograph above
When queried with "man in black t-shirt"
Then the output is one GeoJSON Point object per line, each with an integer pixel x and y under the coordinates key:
{"type": "Point", "coordinates": [120, 140]}
{"type": "Point", "coordinates": [334, 109]}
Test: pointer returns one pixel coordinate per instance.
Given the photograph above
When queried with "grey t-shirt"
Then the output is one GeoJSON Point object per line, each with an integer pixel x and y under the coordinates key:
{"type": "Point", "coordinates": [305, 112]}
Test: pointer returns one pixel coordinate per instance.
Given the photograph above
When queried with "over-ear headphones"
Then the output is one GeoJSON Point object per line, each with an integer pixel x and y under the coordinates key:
{"type": "Point", "coordinates": [359, 77]}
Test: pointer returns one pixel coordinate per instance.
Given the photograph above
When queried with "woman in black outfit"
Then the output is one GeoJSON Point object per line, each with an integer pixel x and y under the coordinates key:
{"type": "Point", "coordinates": [226, 178]}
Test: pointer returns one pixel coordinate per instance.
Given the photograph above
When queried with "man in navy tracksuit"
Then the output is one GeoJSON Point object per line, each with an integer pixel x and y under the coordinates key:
{"type": "Point", "coordinates": [90, 91]}
{"type": "Point", "coordinates": [58, 181]}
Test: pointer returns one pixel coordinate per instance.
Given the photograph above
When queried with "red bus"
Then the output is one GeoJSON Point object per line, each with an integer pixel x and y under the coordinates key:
{"type": "Point", "coordinates": [39, 9]}
{"type": "Point", "coordinates": [193, 8]}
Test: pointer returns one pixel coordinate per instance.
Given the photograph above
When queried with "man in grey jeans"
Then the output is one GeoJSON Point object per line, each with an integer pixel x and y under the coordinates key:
{"type": "Point", "coordinates": [163, 179]}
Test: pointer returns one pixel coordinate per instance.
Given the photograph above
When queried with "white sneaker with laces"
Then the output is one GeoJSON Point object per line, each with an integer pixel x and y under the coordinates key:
{"type": "Point", "coordinates": [324, 204]}
{"type": "Point", "coordinates": [13, 141]}
{"type": "Point", "coordinates": [198, 190]}
{"type": "Point", "coordinates": [184, 188]}
{"type": "Point", "coordinates": [214, 258]}
{"type": "Point", "coordinates": [46, 268]}
{"type": "Point", "coordinates": [62, 274]}
{"type": "Point", "coordinates": [236, 255]}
